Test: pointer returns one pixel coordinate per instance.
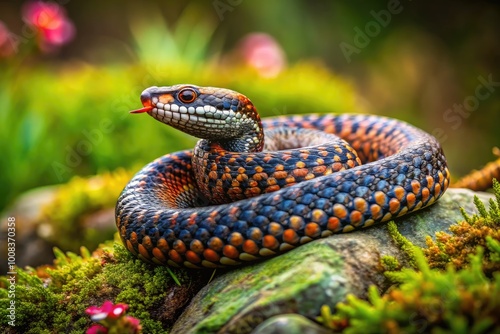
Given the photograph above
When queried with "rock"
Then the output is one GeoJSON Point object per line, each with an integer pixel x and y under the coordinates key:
{"type": "Point", "coordinates": [31, 249]}
{"type": "Point", "coordinates": [290, 324]}
{"type": "Point", "coordinates": [36, 236]}
{"type": "Point", "coordinates": [319, 273]}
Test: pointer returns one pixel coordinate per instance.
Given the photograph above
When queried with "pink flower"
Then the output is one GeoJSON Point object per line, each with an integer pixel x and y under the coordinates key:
{"type": "Point", "coordinates": [107, 311]}
{"type": "Point", "coordinates": [8, 44]}
{"type": "Point", "coordinates": [50, 20]}
{"type": "Point", "coordinates": [133, 324]}
{"type": "Point", "coordinates": [112, 318]}
{"type": "Point", "coordinates": [262, 52]}
{"type": "Point", "coordinates": [97, 329]}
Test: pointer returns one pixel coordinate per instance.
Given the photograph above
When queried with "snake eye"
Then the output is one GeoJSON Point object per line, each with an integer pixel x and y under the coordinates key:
{"type": "Point", "coordinates": [187, 95]}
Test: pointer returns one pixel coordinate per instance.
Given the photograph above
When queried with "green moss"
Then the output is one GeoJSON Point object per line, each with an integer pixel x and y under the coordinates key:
{"type": "Point", "coordinates": [34, 303]}
{"type": "Point", "coordinates": [54, 300]}
{"type": "Point", "coordinates": [139, 285]}
{"type": "Point", "coordinates": [404, 244]}
{"type": "Point", "coordinates": [390, 263]}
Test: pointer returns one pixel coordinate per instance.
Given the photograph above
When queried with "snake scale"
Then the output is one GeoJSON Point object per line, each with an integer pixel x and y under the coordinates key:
{"type": "Point", "coordinates": [255, 188]}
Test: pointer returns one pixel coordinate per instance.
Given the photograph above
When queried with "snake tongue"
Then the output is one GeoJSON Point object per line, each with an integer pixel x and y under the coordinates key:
{"type": "Point", "coordinates": [145, 109]}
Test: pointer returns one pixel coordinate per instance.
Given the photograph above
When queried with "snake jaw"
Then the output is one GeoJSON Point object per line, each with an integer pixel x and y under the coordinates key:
{"type": "Point", "coordinates": [147, 102]}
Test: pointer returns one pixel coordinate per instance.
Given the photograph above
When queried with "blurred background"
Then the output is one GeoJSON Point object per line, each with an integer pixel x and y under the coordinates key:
{"type": "Point", "coordinates": [71, 70]}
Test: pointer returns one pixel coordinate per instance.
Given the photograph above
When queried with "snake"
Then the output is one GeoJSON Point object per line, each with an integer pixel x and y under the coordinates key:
{"type": "Point", "coordinates": [254, 188]}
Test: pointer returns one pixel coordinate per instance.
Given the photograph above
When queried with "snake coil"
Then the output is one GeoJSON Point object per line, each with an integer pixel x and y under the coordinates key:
{"type": "Point", "coordinates": [244, 193]}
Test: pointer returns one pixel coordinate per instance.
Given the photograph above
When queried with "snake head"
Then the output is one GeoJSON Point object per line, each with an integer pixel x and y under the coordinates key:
{"type": "Point", "coordinates": [219, 115]}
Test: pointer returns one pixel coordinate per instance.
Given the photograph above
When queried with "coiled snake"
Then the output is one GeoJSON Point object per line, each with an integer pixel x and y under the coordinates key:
{"type": "Point", "coordinates": [234, 200]}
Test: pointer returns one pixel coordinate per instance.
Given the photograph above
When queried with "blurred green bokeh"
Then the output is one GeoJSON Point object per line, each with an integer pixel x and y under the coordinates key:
{"type": "Point", "coordinates": [65, 114]}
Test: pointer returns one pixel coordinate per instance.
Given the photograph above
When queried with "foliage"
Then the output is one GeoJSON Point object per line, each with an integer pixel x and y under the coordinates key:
{"type": "Point", "coordinates": [451, 287]}
{"type": "Point", "coordinates": [479, 230]}
{"type": "Point", "coordinates": [404, 244]}
{"type": "Point", "coordinates": [54, 299]}
{"type": "Point", "coordinates": [426, 300]}
{"type": "Point", "coordinates": [187, 43]}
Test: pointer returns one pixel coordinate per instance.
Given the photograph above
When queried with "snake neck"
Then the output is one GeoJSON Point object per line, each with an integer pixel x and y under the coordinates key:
{"type": "Point", "coordinates": [251, 141]}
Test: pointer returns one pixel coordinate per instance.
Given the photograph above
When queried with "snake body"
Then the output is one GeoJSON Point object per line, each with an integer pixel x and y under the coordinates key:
{"type": "Point", "coordinates": [227, 202]}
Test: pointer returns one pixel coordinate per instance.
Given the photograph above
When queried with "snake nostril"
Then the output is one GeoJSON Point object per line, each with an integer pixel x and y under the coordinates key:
{"type": "Point", "coordinates": [146, 98]}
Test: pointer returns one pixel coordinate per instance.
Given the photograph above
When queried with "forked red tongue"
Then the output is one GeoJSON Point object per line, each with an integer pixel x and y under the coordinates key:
{"type": "Point", "coordinates": [145, 109]}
